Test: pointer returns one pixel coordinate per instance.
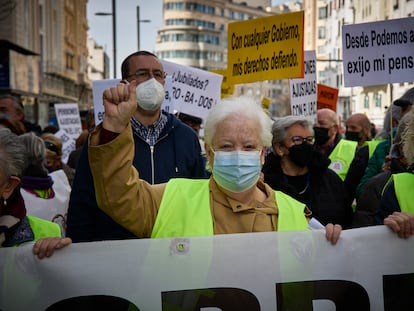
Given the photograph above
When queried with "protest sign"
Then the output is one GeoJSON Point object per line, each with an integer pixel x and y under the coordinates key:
{"type": "Point", "coordinates": [267, 48]}
{"type": "Point", "coordinates": [68, 144]}
{"type": "Point", "coordinates": [296, 270]}
{"type": "Point", "coordinates": [68, 117]}
{"type": "Point", "coordinates": [303, 91]}
{"type": "Point", "coordinates": [327, 97]}
{"type": "Point", "coordinates": [98, 87]}
{"type": "Point", "coordinates": [378, 52]}
{"type": "Point", "coordinates": [192, 91]}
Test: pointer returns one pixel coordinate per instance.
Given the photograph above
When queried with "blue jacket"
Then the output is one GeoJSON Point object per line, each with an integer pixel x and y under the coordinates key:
{"type": "Point", "coordinates": [176, 153]}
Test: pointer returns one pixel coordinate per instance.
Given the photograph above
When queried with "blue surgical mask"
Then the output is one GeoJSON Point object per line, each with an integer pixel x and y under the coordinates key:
{"type": "Point", "coordinates": [236, 171]}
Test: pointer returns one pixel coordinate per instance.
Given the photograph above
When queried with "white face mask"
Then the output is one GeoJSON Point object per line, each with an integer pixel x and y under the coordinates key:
{"type": "Point", "coordinates": [150, 94]}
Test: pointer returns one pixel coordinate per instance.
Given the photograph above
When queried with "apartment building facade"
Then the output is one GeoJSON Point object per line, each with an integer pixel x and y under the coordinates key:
{"type": "Point", "coordinates": [44, 55]}
{"type": "Point", "coordinates": [194, 33]}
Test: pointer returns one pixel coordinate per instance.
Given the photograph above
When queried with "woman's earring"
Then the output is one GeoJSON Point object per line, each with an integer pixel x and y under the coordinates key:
{"type": "Point", "coordinates": [4, 202]}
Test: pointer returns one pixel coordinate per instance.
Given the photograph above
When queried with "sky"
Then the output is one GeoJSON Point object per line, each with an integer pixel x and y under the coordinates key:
{"type": "Point", "coordinates": [100, 27]}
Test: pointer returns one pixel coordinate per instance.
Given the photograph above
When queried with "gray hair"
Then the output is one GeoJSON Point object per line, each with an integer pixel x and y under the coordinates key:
{"type": "Point", "coordinates": [35, 152]}
{"type": "Point", "coordinates": [408, 138]}
{"type": "Point", "coordinates": [281, 125]}
{"type": "Point", "coordinates": [240, 106]}
{"type": "Point", "coordinates": [12, 155]}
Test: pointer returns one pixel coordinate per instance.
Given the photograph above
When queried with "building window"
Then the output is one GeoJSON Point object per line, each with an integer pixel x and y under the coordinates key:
{"type": "Point", "coordinates": [378, 100]}
{"type": "Point", "coordinates": [366, 102]}
{"type": "Point", "coordinates": [322, 12]}
{"type": "Point", "coordinates": [321, 33]}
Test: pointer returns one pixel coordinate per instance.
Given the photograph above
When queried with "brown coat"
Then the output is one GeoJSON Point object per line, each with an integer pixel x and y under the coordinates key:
{"type": "Point", "coordinates": [134, 203]}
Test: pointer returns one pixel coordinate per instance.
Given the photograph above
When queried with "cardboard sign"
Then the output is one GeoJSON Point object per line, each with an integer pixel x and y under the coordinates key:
{"type": "Point", "coordinates": [68, 118]}
{"type": "Point", "coordinates": [327, 97]}
{"type": "Point", "coordinates": [378, 52]}
{"type": "Point", "coordinates": [303, 91]}
{"type": "Point", "coordinates": [267, 48]}
{"type": "Point", "coordinates": [192, 91]}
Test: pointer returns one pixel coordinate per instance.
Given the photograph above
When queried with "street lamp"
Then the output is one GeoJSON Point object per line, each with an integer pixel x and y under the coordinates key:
{"type": "Point", "coordinates": [113, 13]}
{"type": "Point", "coordinates": [138, 22]}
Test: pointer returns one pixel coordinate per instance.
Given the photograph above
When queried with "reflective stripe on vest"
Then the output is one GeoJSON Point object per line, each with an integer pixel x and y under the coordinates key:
{"type": "Point", "coordinates": [43, 228]}
{"type": "Point", "coordinates": [403, 185]}
{"type": "Point", "coordinates": [185, 210]}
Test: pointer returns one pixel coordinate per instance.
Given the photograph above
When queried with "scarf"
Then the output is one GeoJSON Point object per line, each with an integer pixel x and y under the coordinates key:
{"type": "Point", "coordinates": [38, 186]}
{"type": "Point", "coordinates": [14, 225]}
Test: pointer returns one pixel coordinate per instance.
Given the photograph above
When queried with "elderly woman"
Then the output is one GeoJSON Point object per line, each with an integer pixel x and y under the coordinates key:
{"type": "Point", "coordinates": [233, 200]}
{"type": "Point", "coordinates": [16, 226]}
{"type": "Point", "coordinates": [298, 169]}
{"type": "Point", "coordinates": [46, 195]}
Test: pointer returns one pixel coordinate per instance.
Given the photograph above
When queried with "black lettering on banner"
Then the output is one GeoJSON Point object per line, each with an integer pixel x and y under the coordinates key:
{"type": "Point", "coordinates": [346, 295]}
{"type": "Point", "coordinates": [222, 297]}
{"type": "Point", "coordinates": [94, 302]}
{"type": "Point", "coordinates": [398, 292]}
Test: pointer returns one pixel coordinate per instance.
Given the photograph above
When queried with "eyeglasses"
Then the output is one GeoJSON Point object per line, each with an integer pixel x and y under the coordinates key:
{"type": "Point", "coordinates": [298, 140]}
{"type": "Point", "coordinates": [145, 74]}
{"type": "Point", "coordinates": [52, 147]}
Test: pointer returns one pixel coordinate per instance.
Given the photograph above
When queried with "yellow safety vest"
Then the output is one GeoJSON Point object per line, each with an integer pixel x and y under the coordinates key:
{"type": "Point", "coordinates": [43, 228]}
{"type": "Point", "coordinates": [185, 210]}
{"type": "Point", "coordinates": [343, 154]}
{"type": "Point", "coordinates": [403, 185]}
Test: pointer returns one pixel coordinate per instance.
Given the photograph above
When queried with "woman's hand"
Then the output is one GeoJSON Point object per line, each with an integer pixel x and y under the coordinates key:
{"type": "Point", "coordinates": [332, 233]}
{"type": "Point", "coordinates": [45, 247]}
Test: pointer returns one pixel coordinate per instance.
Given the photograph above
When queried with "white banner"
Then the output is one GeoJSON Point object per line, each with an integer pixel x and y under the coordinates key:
{"type": "Point", "coordinates": [304, 91]}
{"type": "Point", "coordinates": [378, 52]}
{"type": "Point", "coordinates": [369, 269]}
{"type": "Point", "coordinates": [192, 91]}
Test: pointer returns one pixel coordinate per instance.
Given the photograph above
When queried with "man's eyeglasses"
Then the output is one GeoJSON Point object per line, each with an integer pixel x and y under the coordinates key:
{"type": "Point", "coordinates": [298, 140]}
{"type": "Point", "coordinates": [145, 74]}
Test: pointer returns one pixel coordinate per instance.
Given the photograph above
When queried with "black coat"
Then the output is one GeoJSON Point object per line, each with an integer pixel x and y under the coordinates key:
{"type": "Point", "coordinates": [327, 197]}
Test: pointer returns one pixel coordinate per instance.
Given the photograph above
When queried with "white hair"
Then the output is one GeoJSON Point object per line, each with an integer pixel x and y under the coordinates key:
{"type": "Point", "coordinates": [240, 106]}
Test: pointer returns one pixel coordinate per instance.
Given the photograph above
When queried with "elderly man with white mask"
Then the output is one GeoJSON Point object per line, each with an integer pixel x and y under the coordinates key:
{"type": "Point", "coordinates": [167, 149]}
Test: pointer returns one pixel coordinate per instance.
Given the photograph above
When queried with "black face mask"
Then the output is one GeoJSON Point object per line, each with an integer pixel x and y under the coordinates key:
{"type": "Point", "coordinates": [301, 154]}
{"type": "Point", "coordinates": [321, 135]}
{"type": "Point", "coordinates": [354, 136]}
{"type": "Point", "coordinates": [397, 166]}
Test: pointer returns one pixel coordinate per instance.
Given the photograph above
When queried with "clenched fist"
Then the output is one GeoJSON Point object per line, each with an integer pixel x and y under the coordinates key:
{"type": "Point", "coordinates": [120, 104]}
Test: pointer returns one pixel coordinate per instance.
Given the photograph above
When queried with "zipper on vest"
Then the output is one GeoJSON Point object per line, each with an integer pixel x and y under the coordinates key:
{"type": "Point", "coordinates": [152, 165]}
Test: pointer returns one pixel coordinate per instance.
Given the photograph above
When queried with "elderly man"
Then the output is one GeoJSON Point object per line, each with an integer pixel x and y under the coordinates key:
{"type": "Point", "coordinates": [350, 156]}
{"type": "Point", "coordinates": [167, 148]}
{"type": "Point", "coordinates": [326, 131]}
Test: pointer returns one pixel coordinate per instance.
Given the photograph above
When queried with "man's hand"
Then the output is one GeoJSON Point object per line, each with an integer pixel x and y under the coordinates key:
{"type": "Point", "coordinates": [120, 104]}
{"type": "Point", "coordinates": [401, 223]}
